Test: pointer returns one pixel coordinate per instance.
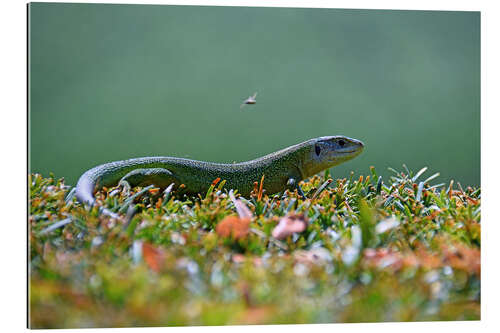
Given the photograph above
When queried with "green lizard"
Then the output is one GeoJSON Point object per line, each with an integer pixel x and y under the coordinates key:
{"type": "Point", "coordinates": [283, 169]}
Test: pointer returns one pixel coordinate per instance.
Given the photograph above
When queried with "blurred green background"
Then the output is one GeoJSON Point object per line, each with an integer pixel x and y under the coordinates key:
{"type": "Point", "coordinates": [110, 82]}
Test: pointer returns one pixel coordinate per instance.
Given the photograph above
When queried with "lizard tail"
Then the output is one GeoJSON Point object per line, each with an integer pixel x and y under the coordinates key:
{"type": "Point", "coordinates": [85, 189]}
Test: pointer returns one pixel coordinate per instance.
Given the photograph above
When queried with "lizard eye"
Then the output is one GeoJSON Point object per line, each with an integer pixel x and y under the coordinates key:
{"type": "Point", "coordinates": [341, 143]}
{"type": "Point", "coordinates": [318, 150]}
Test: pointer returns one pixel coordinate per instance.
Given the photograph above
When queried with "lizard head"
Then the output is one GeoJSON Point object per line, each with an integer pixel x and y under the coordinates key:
{"type": "Point", "coordinates": [327, 151]}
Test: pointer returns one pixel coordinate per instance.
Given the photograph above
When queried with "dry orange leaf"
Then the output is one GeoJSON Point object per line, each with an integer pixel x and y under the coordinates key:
{"type": "Point", "coordinates": [289, 225]}
{"type": "Point", "coordinates": [243, 211]}
{"type": "Point", "coordinates": [386, 258]}
{"type": "Point", "coordinates": [153, 256]}
{"type": "Point", "coordinates": [233, 226]}
{"type": "Point", "coordinates": [462, 257]}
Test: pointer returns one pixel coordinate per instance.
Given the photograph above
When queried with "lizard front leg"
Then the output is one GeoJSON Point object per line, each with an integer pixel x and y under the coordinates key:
{"type": "Point", "coordinates": [293, 184]}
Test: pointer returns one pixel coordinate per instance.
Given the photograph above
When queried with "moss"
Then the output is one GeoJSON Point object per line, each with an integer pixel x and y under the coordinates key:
{"type": "Point", "coordinates": [401, 250]}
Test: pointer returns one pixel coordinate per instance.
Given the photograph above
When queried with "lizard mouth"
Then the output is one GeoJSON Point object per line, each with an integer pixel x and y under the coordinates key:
{"type": "Point", "coordinates": [345, 153]}
{"type": "Point", "coordinates": [348, 151]}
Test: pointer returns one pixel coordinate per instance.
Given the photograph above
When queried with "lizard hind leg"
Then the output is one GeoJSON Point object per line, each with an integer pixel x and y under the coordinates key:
{"type": "Point", "coordinates": [142, 177]}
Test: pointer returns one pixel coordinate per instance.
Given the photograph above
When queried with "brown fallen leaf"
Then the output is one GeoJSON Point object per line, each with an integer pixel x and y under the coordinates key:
{"type": "Point", "coordinates": [289, 225]}
{"type": "Point", "coordinates": [385, 258]}
{"type": "Point", "coordinates": [243, 211]}
{"type": "Point", "coordinates": [459, 256]}
{"type": "Point", "coordinates": [153, 256]}
{"type": "Point", "coordinates": [233, 226]}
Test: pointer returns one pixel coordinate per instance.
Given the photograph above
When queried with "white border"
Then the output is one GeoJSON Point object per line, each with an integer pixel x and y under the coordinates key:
{"type": "Point", "coordinates": [13, 162]}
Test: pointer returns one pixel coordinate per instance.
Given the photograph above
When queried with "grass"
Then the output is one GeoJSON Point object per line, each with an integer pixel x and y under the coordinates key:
{"type": "Point", "coordinates": [401, 250]}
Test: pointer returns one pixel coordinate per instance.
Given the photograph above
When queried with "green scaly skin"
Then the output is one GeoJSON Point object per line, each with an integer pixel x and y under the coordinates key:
{"type": "Point", "coordinates": [283, 169]}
